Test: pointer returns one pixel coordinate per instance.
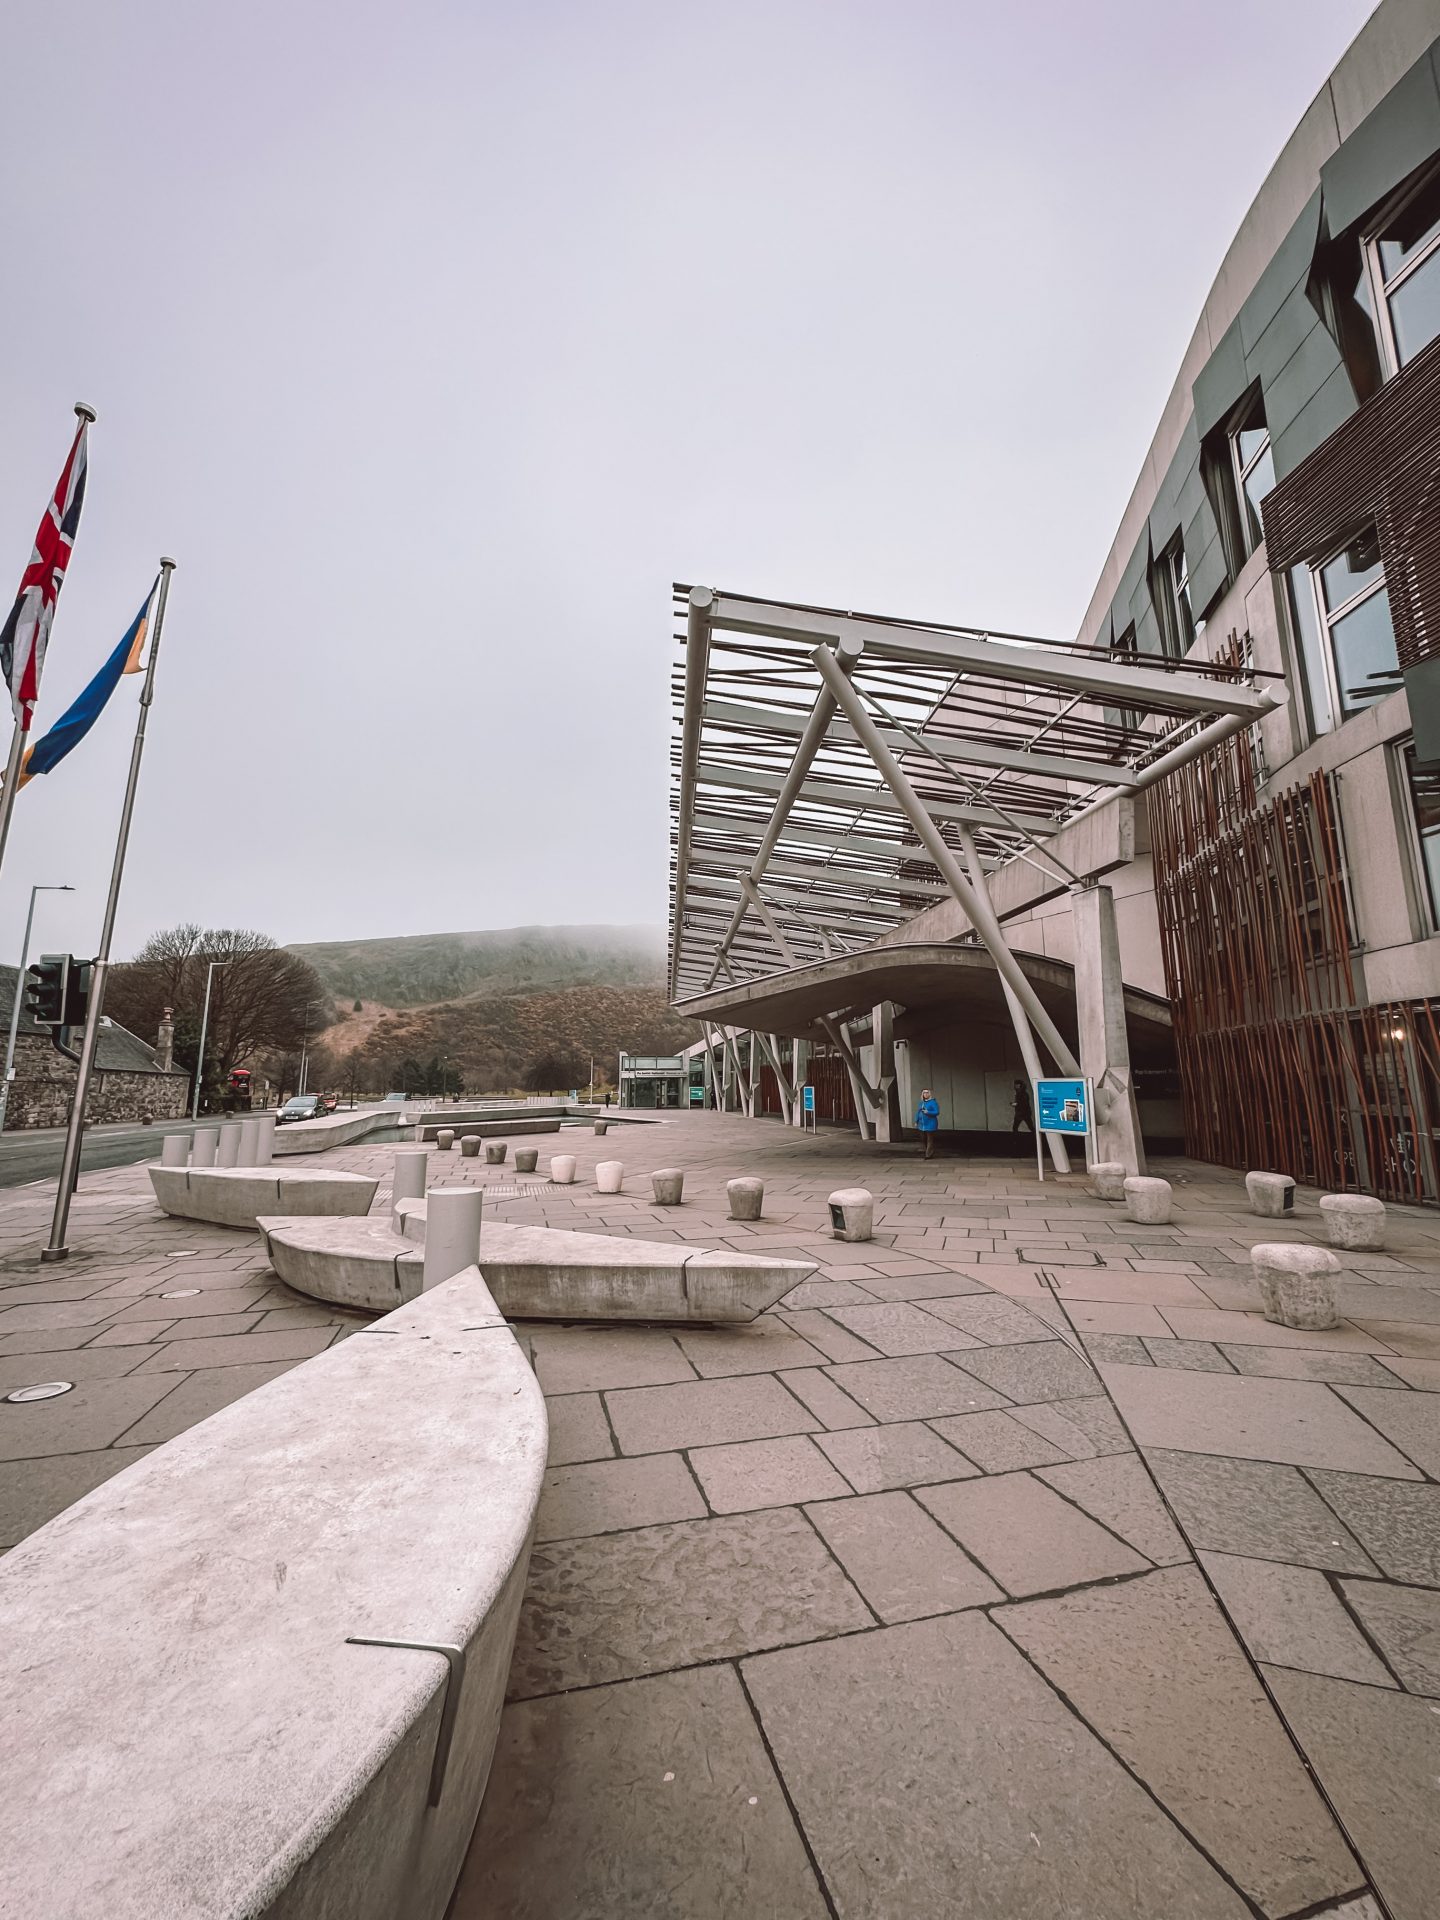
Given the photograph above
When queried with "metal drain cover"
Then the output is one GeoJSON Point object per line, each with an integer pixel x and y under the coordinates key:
{"type": "Point", "coordinates": [180, 1293]}
{"type": "Point", "coordinates": [46, 1390]}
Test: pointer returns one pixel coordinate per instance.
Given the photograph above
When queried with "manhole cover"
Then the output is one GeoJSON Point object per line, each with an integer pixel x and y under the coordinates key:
{"type": "Point", "coordinates": [46, 1390]}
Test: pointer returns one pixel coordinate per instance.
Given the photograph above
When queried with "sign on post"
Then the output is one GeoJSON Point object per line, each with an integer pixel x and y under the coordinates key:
{"type": "Point", "coordinates": [1062, 1106]}
{"type": "Point", "coordinates": [808, 1102]}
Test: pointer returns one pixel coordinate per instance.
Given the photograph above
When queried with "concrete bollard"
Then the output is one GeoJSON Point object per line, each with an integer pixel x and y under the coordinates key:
{"type": "Point", "coordinates": [174, 1150]}
{"type": "Point", "coordinates": [227, 1151]}
{"type": "Point", "coordinates": [1297, 1285]}
{"type": "Point", "coordinates": [445, 1139]}
{"type": "Point", "coordinates": [407, 1182]}
{"type": "Point", "coordinates": [1147, 1202]}
{"type": "Point", "coordinates": [249, 1131]}
{"type": "Point", "coordinates": [668, 1185]}
{"type": "Point", "coordinates": [452, 1232]}
{"type": "Point", "coordinates": [609, 1175]}
{"type": "Point", "coordinates": [1107, 1179]}
{"type": "Point", "coordinates": [1271, 1195]}
{"type": "Point", "coordinates": [562, 1169]}
{"type": "Point", "coordinates": [469, 1145]}
{"type": "Point", "coordinates": [264, 1140]}
{"type": "Point", "coordinates": [1354, 1221]}
{"type": "Point", "coordinates": [602, 1126]}
{"type": "Point", "coordinates": [203, 1143]}
{"type": "Point", "coordinates": [746, 1196]}
{"type": "Point", "coordinates": [526, 1159]}
{"type": "Point", "coordinates": [852, 1213]}
{"type": "Point", "coordinates": [495, 1152]}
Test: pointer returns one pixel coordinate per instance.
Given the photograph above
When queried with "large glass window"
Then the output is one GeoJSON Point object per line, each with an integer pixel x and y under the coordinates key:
{"type": "Point", "coordinates": [1424, 790]}
{"type": "Point", "coordinates": [1342, 618]}
{"type": "Point", "coordinates": [1403, 257]}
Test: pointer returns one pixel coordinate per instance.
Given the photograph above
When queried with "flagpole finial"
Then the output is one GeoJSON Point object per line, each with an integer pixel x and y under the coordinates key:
{"type": "Point", "coordinates": [167, 563]}
{"type": "Point", "coordinates": [85, 411]}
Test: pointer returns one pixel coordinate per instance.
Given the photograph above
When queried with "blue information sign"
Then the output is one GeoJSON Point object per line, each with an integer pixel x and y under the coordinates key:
{"type": "Point", "coordinates": [1062, 1106]}
{"type": "Point", "coordinates": [809, 1093]}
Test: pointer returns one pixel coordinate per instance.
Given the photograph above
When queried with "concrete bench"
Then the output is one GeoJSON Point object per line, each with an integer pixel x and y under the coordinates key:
{"type": "Point", "coordinates": [237, 1196]}
{"type": "Point", "coordinates": [1297, 1285]}
{"type": "Point", "coordinates": [431, 1124]}
{"type": "Point", "coordinates": [208, 1730]}
{"type": "Point", "coordinates": [1354, 1221]}
{"type": "Point", "coordinates": [534, 1273]}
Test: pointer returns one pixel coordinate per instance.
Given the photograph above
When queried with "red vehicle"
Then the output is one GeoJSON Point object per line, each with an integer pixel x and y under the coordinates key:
{"type": "Point", "coordinates": [238, 1093]}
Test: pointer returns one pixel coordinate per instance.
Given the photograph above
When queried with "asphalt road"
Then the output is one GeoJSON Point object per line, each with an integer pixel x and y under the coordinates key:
{"type": "Point", "coordinates": [35, 1153]}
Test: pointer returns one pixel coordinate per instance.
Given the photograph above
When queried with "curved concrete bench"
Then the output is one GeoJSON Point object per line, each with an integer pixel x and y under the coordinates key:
{"type": "Point", "coordinates": [534, 1273]}
{"type": "Point", "coordinates": [342, 1130]}
{"type": "Point", "coordinates": [191, 1728]}
{"type": "Point", "coordinates": [237, 1196]}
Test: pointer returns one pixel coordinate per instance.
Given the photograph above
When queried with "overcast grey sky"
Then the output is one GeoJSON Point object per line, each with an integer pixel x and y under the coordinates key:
{"type": "Point", "coordinates": [434, 341]}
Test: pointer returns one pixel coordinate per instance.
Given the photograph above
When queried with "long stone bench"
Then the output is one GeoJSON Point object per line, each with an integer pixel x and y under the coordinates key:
{"type": "Point", "coordinates": [534, 1273]}
{"type": "Point", "coordinates": [342, 1130]}
{"type": "Point", "coordinates": [236, 1196]}
{"type": "Point", "coordinates": [486, 1129]}
{"type": "Point", "coordinates": [205, 1732]}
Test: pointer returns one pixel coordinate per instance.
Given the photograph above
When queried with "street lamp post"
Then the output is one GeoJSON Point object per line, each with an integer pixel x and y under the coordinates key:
{"type": "Point", "coordinates": [204, 1028]}
{"type": "Point", "coordinates": [19, 999]}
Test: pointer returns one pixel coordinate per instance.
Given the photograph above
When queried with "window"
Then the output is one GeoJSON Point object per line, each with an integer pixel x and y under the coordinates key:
{"type": "Point", "coordinates": [1402, 256]}
{"type": "Point", "coordinates": [1123, 653]}
{"type": "Point", "coordinates": [1253, 465]}
{"type": "Point", "coordinates": [1342, 619]}
{"type": "Point", "coordinates": [1170, 597]}
{"type": "Point", "coordinates": [1423, 787]}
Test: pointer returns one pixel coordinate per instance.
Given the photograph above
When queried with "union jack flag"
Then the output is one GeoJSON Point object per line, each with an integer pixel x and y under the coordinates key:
{"type": "Point", "coordinates": [27, 631]}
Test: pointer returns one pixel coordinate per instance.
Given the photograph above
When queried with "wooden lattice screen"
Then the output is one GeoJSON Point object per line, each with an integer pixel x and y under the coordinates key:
{"type": "Point", "coordinates": [1280, 1067]}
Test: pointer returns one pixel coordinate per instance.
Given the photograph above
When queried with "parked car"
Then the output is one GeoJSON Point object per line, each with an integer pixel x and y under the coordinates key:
{"type": "Point", "coordinates": [303, 1106]}
{"type": "Point", "coordinates": [329, 1102]}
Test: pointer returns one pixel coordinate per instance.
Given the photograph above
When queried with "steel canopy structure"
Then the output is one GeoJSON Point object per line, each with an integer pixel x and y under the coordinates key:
{"type": "Point", "coordinates": [835, 773]}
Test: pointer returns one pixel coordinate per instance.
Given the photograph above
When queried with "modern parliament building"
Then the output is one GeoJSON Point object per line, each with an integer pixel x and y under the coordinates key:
{"type": "Point", "coordinates": [1193, 854]}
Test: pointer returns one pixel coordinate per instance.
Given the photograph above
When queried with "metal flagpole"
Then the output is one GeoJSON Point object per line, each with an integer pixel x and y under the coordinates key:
{"type": "Point", "coordinates": [85, 415]}
{"type": "Point", "coordinates": [74, 1132]}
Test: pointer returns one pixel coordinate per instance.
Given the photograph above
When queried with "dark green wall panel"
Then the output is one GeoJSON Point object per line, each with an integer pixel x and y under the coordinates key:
{"type": "Point", "coordinates": [1330, 408]}
{"type": "Point", "coordinates": [1400, 134]}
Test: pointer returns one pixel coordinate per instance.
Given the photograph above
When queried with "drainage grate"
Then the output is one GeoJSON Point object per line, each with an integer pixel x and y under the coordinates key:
{"type": "Point", "coordinates": [1059, 1257]}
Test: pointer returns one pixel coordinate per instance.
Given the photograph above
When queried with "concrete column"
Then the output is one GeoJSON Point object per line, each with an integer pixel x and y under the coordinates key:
{"type": "Point", "coordinates": [752, 1103]}
{"type": "Point", "coordinates": [800, 1073]}
{"type": "Point", "coordinates": [452, 1232]}
{"type": "Point", "coordinates": [1104, 1044]}
{"type": "Point", "coordinates": [249, 1132]}
{"type": "Point", "coordinates": [887, 1113]}
{"type": "Point", "coordinates": [174, 1150]}
{"type": "Point", "coordinates": [203, 1143]}
{"type": "Point", "coordinates": [264, 1139]}
{"type": "Point", "coordinates": [227, 1153]}
{"type": "Point", "coordinates": [408, 1180]}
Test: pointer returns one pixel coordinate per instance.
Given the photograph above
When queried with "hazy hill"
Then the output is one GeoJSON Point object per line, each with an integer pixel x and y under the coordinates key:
{"type": "Point", "coordinates": [416, 970]}
{"type": "Point", "coordinates": [492, 1003]}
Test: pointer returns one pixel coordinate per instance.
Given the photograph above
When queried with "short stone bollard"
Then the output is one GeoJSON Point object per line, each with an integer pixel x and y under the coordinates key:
{"type": "Point", "coordinates": [1271, 1195]}
{"type": "Point", "coordinates": [445, 1139]}
{"type": "Point", "coordinates": [608, 1175]}
{"type": "Point", "coordinates": [667, 1184]}
{"type": "Point", "coordinates": [602, 1126]}
{"type": "Point", "coordinates": [227, 1150]}
{"type": "Point", "coordinates": [1147, 1202]}
{"type": "Point", "coordinates": [174, 1150]}
{"type": "Point", "coordinates": [249, 1139]}
{"type": "Point", "coordinates": [1107, 1179]}
{"type": "Point", "coordinates": [1354, 1221]}
{"type": "Point", "coordinates": [495, 1152]}
{"type": "Point", "coordinates": [1297, 1285]}
{"type": "Point", "coordinates": [264, 1140]}
{"type": "Point", "coordinates": [526, 1159]}
{"type": "Point", "coordinates": [746, 1196]}
{"type": "Point", "coordinates": [407, 1181]}
{"type": "Point", "coordinates": [562, 1169]}
{"type": "Point", "coordinates": [852, 1213]}
{"type": "Point", "coordinates": [452, 1232]}
{"type": "Point", "coordinates": [469, 1145]}
{"type": "Point", "coordinates": [203, 1143]}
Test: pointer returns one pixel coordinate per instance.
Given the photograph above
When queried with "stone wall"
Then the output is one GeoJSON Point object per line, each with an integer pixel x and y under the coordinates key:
{"type": "Point", "coordinates": [44, 1085]}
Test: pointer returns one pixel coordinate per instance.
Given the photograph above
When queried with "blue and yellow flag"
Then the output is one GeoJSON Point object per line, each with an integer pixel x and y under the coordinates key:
{"type": "Point", "coordinates": [73, 725]}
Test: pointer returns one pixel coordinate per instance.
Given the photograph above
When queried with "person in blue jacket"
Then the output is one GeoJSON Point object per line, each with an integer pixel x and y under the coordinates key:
{"type": "Point", "coordinates": [927, 1119]}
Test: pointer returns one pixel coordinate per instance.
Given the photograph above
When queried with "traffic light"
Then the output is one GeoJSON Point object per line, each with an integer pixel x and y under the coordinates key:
{"type": "Point", "coordinates": [48, 979]}
{"type": "Point", "coordinates": [58, 990]}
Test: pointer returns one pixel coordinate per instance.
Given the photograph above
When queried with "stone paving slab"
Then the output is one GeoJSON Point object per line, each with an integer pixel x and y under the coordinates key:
{"type": "Point", "coordinates": [1404, 1623]}
{"type": "Point", "coordinates": [879, 1459]}
{"type": "Point", "coordinates": [1289, 1617]}
{"type": "Point", "coordinates": [1028, 1536]}
{"type": "Point", "coordinates": [904, 1565]}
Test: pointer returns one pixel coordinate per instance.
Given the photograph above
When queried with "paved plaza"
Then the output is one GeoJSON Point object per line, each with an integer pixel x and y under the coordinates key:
{"type": "Point", "coordinates": [1014, 1568]}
